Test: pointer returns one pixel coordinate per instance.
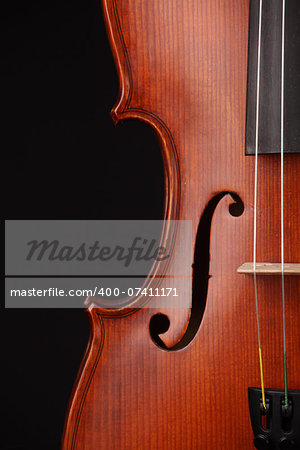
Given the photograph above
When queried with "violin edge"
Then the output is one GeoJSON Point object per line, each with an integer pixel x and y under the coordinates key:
{"type": "Point", "coordinates": [83, 379]}
{"type": "Point", "coordinates": [124, 109]}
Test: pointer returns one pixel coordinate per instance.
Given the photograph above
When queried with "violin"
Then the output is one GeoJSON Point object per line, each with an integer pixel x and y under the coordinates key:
{"type": "Point", "coordinates": [219, 82]}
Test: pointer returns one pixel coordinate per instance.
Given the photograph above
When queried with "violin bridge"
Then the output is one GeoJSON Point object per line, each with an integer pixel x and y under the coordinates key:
{"type": "Point", "coordinates": [269, 268]}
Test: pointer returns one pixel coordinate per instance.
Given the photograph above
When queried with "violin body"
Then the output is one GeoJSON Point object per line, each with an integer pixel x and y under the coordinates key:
{"type": "Point", "coordinates": [183, 70]}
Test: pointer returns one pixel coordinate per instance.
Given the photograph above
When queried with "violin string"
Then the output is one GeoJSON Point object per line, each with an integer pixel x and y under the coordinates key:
{"type": "Point", "coordinates": [255, 204]}
{"type": "Point", "coordinates": [282, 205]}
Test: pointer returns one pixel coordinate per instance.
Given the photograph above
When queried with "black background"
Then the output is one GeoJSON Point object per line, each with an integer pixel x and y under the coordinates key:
{"type": "Point", "coordinates": [64, 159]}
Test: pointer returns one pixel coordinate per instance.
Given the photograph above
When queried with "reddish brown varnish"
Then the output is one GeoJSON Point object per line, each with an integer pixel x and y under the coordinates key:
{"type": "Point", "coordinates": [183, 70]}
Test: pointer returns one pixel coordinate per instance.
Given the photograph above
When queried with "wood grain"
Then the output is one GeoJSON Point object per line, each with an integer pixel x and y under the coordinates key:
{"type": "Point", "coordinates": [183, 70]}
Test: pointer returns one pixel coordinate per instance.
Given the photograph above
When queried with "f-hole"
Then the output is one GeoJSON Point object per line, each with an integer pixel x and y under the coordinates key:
{"type": "Point", "coordinates": [160, 323]}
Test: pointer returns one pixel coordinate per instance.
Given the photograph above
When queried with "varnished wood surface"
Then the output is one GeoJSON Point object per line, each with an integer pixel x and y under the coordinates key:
{"type": "Point", "coordinates": [183, 70]}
